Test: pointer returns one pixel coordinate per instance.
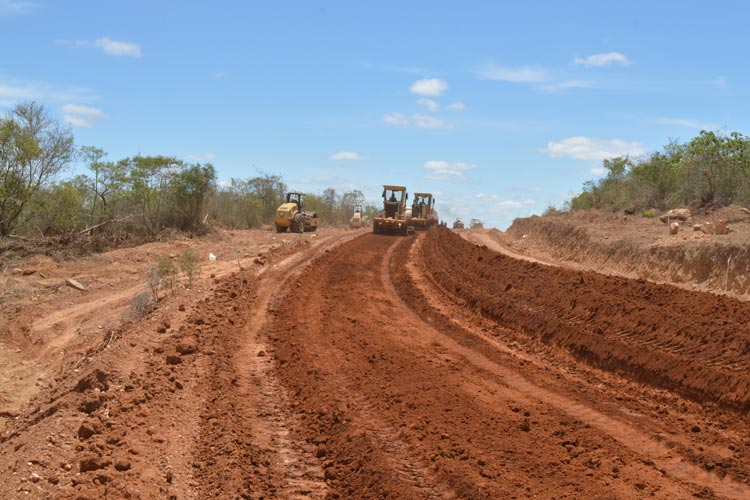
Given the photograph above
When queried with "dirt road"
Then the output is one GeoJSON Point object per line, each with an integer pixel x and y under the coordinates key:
{"type": "Point", "coordinates": [368, 366]}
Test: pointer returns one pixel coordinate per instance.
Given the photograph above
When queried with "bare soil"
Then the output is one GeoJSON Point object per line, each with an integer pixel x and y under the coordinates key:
{"type": "Point", "coordinates": [351, 365]}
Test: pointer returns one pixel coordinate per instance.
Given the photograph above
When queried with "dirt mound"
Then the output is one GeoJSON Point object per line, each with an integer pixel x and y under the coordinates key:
{"type": "Point", "coordinates": [642, 247]}
{"type": "Point", "coordinates": [690, 342]}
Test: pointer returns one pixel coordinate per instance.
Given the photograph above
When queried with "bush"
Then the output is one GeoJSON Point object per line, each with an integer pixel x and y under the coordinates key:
{"type": "Point", "coordinates": [189, 265]}
{"type": "Point", "coordinates": [649, 213]}
{"type": "Point", "coordinates": [167, 272]}
{"type": "Point", "coordinates": [142, 304]}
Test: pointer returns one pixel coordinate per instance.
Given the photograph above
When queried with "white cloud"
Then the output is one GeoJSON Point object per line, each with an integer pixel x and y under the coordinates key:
{"type": "Point", "coordinates": [569, 84]}
{"type": "Point", "coordinates": [587, 148]}
{"type": "Point", "coordinates": [687, 123]}
{"type": "Point", "coordinates": [79, 109]}
{"type": "Point", "coordinates": [116, 48]}
{"type": "Point", "coordinates": [347, 155]}
{"type": "Point", "coordinates": [396, 119]}
{"type": "Point", "coordinates": [444, 171]}
{"type": "Point", "coordinates": [79, 115]}
{"type": "Point", "coordinates": [109, 46]}
{"type": "Point", "coordinates": [13, 91]}
{"type": "Point", "coordinates": [427, 121]}
{"type": "Point", "coordinates": [456, 106]}
{"type": "Point", "coordinates": [429, 104]}
{"type": "Point", "coordinates": [218, 75]}
{"type": "Point", "coordinates": [416, 120]}
{"type": "Point", "coordinates": [722, 82]}
{"type": "Point", "coordinates": [429, 86]}
{"type": "Point", "coordinates": [16, 6]}
{"type": "Point", "coordinates": [598, 60]}
{"type": "Point", "coordinates": [522, 74]}
{"type": "Point", "coordinates": [200, 157]}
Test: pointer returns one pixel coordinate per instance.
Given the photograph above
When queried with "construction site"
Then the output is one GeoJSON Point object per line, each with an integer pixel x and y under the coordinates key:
{"type": "Point", "coordinates": [352, 364]}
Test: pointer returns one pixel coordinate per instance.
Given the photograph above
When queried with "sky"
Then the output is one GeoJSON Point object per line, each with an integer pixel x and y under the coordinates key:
{"type": "Point", "coordinates": [500, 109]}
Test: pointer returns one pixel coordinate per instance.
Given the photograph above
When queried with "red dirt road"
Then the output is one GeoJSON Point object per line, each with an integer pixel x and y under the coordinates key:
{"type": "Point", "coordinates": [422, 367]}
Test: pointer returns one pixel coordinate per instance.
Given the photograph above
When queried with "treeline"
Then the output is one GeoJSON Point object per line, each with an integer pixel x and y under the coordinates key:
{"type": "Point", "coordinates": [139, 195]}
{"type": "Point", "coordinates": [711, 169]}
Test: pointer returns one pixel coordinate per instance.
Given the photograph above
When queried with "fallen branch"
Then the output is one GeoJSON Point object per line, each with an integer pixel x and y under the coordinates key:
{"type": "Point", "coordinates": [91, 228]}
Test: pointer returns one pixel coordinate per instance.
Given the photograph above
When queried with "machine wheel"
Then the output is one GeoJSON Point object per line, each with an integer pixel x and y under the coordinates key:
{"type": "Point", "coordinates": [280, 229]}
{"type": "Point", "coordinates": [405, 230]}
{"type": "Point", "coordinates": [298, 223]}
{"type": "Point", "coordinates": [375, 227]}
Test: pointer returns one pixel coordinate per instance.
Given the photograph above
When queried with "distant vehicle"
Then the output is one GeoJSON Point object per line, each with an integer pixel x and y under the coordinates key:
{"type": "Point", "coordinates": [476, 224]}
{"type": "Point", "coordinates": [459, 224]}
{"type": "Point", "coordinates": [358, 220]}
{"type": "Point", "coordinates": [291, 216]}
{"type": "Point", "coordinates": [423, 213]}
{"type": "Point", "coordinates": [393, 217]}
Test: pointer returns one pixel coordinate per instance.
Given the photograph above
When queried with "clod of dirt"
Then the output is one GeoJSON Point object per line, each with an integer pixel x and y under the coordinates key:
{"type": "Point", "coordinates": [186, 346]}
{"type": "Point", "coordinates": [173, 360]}
{"type": "Point", "coordinates": [123, 465]}
{"type": "Point", "coordinates": [91, 404]}
{"type": "Point", "coordinates": [181, 308]}
{"type": "Point", "coordinates": [90, 463]}
{"type": "Point", "coordinates": [87, 429]}
{"type": "Point", "coordinates": [94, 380]}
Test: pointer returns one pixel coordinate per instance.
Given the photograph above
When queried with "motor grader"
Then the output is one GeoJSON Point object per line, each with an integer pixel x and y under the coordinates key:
{"type": "Point", "coordinates": [393, 217]}
{"type": "Point", "coordinates": [458, 224]}
{"type": "Point", "coordinates": [290, 216]}
{"type": "Point", "coordinates": [358, 220]}
{"type": "Point", "coordinates": [476, 224]}
{"type": "Point", "coordinates": [423, 213]}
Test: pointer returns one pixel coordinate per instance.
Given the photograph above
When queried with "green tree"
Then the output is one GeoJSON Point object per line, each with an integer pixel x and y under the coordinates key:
{"type": "Point", "coordinates": [191, 188]}
{"type": "Point", "coordinates": [33, 149]}
{"type": "Point", "coordinates": [149, 178]}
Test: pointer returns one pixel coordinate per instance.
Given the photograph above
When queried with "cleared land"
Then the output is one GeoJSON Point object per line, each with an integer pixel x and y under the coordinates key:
{"type": "Point", "coordinates": [354, 365]}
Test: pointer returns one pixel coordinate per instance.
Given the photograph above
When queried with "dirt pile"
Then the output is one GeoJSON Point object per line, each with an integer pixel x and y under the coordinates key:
{"type": "Point", "coordinates": [693, 343]}
{"type": "Point", "coordinates": [642, 247]}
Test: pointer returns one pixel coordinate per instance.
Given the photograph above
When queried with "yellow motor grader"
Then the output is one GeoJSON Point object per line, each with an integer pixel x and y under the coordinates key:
{"type": "Point", "coordinates": [423, 213]}
{"type": "Point", "coordinates": [393, 217]}
{"type": "Point", "coordinates": [291, 216]}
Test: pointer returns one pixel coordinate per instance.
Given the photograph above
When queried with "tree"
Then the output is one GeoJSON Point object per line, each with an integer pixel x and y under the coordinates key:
{"type": "Point", "coordinates": [149, 178]}
{"type": "Point", "coordinates": [33, 149]}
{"type": "Point", "coordinates": [191, 188]}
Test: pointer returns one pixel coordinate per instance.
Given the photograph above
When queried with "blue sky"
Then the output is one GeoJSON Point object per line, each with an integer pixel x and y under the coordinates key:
{"type": "Point", "coordinates": [500, 108]}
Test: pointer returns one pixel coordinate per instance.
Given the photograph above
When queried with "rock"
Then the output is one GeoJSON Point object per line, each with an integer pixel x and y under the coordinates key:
{"type": "Point", "coordinates": [122, 465]}
{"type": "Point", "coordinates": [35, 477]}
{"type": "Point", "coordinates": [74, 284]}
{"type": "Point", "coordinates": [186, 346]}
{"type": "Point", "coordinates": [674, 227]}
{"type": "Point", "coordinates": [173, 360]}
{"type": "Point", "coordinates": [91, 462]}
{"type": "Point", "coordinates": [696, 227]}
{"type": "Point", "coordinates": [682, 214]}
{"type": "Point", "coordinates": [708, 228]}
{"type": "Point", "coordinates": [86, 430]}
{"type": "Point", "coordinates": [721, 227]}
{"type": "Point", "coordinates": [28, 272]}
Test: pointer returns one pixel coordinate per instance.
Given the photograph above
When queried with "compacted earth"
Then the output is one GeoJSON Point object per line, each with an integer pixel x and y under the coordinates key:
{"type": "Point", "coordinates": [346, 364]}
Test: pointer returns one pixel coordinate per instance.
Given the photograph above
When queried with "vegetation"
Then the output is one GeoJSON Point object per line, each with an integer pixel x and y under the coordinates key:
{"type": "Point", "coordinates": [711, 169]}
{"type": "Point", "coordinates": [139, 195]}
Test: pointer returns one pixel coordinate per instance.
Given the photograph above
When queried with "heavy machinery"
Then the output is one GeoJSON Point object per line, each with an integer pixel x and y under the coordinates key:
{"type": "Point", "coordinates": [393, 217]}
{"type": "Point", "coordinates": [358, 219]}
{"type": "Point", "coordinates": [423, 213]}
{"type": "Point", "coordinates": [459, 224]}
{"type": "Point", "coordinates": [476, 224]}
{"type": "Point", "coordinates": [291, 216]}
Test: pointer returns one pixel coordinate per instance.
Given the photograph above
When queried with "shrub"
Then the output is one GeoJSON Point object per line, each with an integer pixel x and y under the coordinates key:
{"type": "Point", "coordinates": [189, 265]}
{"type": "Point", "coordinates": [167, 272]}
